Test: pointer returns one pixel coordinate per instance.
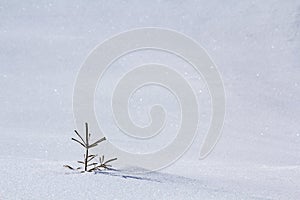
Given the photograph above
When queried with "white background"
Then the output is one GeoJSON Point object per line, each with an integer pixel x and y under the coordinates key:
{"type": "Point", "coordinates": [255, 45]}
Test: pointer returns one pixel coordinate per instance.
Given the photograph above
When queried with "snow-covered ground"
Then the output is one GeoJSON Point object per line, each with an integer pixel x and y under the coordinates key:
{"type": "Point", "coordinates": [255, 45]}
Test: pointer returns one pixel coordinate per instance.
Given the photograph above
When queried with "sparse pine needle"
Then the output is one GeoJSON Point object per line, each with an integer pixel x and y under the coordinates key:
{"type": "Point", "coordinates": [69, 167]}
{"type": "Point", "coordinates": [88, 158]}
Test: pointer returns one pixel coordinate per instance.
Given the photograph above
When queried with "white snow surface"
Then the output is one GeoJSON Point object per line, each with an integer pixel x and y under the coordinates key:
{"type": "Point", "coordinates": [255, 45]}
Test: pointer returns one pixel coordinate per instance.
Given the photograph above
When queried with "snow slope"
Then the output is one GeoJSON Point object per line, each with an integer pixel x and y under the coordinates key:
{"type": "Point", "coordinates": [44, 179]}
{"type": "Point", "coordinates": [255, 45]}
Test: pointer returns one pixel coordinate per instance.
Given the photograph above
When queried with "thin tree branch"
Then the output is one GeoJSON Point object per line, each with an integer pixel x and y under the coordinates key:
{"type": "Point", "coordinates": [79, 142]}
{"type": "Point", "coordinates": [79, 136]}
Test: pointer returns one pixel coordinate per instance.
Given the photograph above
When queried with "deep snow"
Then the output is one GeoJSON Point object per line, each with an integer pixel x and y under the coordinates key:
{"type": "Point", "coordinates": [255, 45]}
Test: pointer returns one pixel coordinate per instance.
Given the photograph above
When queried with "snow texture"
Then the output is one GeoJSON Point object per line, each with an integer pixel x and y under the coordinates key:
{"type": "Point", "coordinates": [255, 45]}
